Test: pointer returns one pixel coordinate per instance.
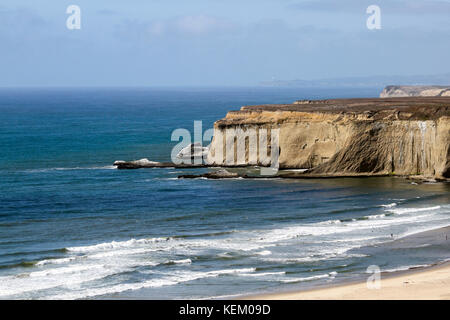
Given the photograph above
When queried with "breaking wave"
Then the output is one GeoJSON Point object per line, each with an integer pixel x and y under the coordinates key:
{"type": "Point", "coordinates": [168, 261]}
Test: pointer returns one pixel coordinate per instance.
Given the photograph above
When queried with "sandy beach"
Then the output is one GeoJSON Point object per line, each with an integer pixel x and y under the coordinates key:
{"type": "Point", "coordinates": [432, 283]}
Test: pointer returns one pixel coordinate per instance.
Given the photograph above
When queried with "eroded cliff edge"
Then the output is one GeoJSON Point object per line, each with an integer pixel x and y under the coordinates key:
{"type": "Point", "coordinates": [399, 136]}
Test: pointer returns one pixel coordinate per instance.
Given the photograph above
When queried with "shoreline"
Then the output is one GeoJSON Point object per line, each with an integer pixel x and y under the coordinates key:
{"type": "Point", "coordinates": [431, 282]}
{"type": "Point", "coordinates": [427, 283]}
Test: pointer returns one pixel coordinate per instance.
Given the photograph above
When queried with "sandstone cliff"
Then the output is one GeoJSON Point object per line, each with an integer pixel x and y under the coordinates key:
{"type": "Point", "coordinates": [399, 136]}
{"type": "Point", "coordinates": [415, 91]}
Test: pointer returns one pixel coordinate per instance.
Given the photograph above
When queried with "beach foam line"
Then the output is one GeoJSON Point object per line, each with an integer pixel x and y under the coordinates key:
{"type": "Point", "coordinates": [68, 276]}
{"type": "Point", "coordinates": [334, 253]}
{"type": "Point", "coordinates": [65, 270]}
{"type": "Point", "coordinates": [390, 205]}
{"type": "Point", "coordinates": [398, 211]}
{"type": "Point", "coordinates": [48, 279]}
{"type": "Point", "coordinates": [171, 280]}
{"type": "Point", "coordinates": [349, 239]}
{"type": "Point", "coordinates": [376, 216]}
{"type": "Point", "coordinates": [121, 252]}
{"type": "Point", "coordinates": [56, 261]}
{"type": "Point", "coordinates": [322, 276]}
{"type": "Point", "coordinates": [405, 268]}
{"type": "Point", "coordinates": [116, 244]}
{"type": "Point", "coordinates": [412, 210]}
{"type": "Point", "coordinates": [263, 253]}
{"type": "Point", "coordinates": [182, 261]}
{"type": "Point", "coordinates": [392, 220]}
{"type": "Point", "coordinates": [337, 221]}
{"type": "Point", "coordinates": [225, 296]}
{"type": "Point", "coordinates": [330, 227]}
{"type": "Point", "coordinates": [322, 228]}
{"type": "Point", "coordinates": [164, 244]}
{"type": "Point", "coordinates": [257, 239]}
{"type": "Point", "coordinates": [262, 274]}
{"type": "Point", "coordinates": [93, 255]}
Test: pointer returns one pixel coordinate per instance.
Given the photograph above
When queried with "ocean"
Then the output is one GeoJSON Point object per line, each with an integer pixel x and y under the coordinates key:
{"type": "Point", "coordinates": [74, 227]}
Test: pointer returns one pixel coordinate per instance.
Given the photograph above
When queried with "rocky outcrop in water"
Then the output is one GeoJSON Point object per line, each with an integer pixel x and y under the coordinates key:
{"type": "Point", "coordinates": [395, 136]}
{"type": "Point", "coordinates": [145, 163]}
{"type": "Point", "coordinates": [219, 174]}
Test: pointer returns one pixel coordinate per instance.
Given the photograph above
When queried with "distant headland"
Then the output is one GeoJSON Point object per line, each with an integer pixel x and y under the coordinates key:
{"type": "Point", "coordinates": [366, 81]}
{"type": "Point", "coordinates": [400, 136]}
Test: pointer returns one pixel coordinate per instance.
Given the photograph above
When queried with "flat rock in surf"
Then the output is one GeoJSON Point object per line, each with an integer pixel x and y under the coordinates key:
{"type": "Point", "coordinates": [145, 163]}
{"type": "Point", "coordinates": [220, 174]}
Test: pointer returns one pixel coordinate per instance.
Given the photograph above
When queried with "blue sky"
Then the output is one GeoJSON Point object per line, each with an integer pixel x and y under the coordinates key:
{"type": "Point", "coordinates": [215, 42]}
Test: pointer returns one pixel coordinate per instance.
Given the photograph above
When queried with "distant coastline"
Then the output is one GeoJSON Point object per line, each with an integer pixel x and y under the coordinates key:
{"type": "Point", "coordinates": [370, 81]}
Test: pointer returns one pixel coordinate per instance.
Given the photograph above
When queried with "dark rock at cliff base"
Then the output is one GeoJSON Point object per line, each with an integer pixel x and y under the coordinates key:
{"type": "Point", "coordinates": [220, 174]}
{"type": "Point", "coordinates": [145, 163]}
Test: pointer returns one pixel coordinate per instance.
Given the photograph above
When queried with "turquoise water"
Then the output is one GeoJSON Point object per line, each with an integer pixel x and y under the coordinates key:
{"type": "Point", "coordinates": [71, 226]}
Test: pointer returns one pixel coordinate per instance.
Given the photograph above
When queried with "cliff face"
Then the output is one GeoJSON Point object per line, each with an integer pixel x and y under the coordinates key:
{"type": "Point", "coordinates": [402, 136]}
{"type": "Point", "coordinates": [415, 91]}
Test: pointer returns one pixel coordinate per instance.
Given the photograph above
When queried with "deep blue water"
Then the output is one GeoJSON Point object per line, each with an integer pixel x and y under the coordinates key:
{"type": "Point", "coordinates": [71, 226]}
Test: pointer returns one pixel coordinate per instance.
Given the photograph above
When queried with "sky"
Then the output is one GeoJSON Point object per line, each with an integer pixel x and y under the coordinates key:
{"type": "Point", "coordinates": [216, 42]}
